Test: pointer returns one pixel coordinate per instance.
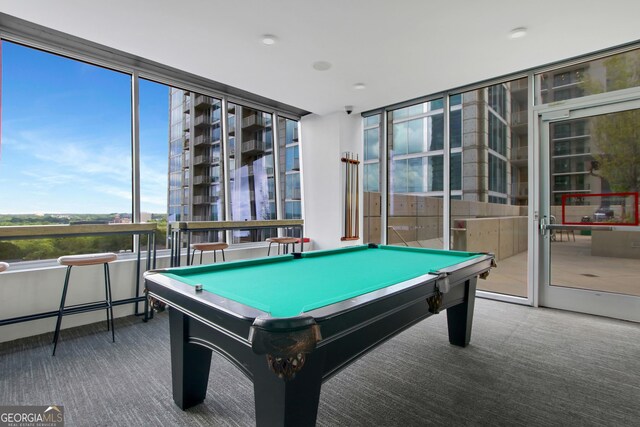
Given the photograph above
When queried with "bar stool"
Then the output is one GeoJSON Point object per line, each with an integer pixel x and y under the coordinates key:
{"type": "Point", "coordinates": [282, 241]}
{"type": "Point", "coordinates": [3, 266]}
{"type": "Point", "coordinates": [83, 260]}
{"type": "Point", "coordinates": [209, 246]}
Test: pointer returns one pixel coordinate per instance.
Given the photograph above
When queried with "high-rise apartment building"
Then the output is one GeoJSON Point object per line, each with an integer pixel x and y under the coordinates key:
{"type": "Point", "coordinates": [489, 151]}
{"type": "Point", "coordinates": [246, 168]}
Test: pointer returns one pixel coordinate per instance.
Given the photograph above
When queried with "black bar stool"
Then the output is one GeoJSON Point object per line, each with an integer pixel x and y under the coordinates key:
{"type": "Point", "coordinates": [210, 246]}
{"type": "Point", "coordinates": [84, 260]}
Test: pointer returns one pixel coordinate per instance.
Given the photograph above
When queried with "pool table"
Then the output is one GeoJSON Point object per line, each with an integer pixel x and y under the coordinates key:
{"type": "Point", "coordinates": [290, 322]}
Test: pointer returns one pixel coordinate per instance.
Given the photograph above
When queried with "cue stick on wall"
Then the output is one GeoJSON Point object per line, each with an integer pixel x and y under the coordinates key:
{"type": "Point", "coordinates": [346, 194]}
{"type": "Point", "coordinates": [351, 197]}
{"type": "Point", "coordinates": [348, 234]}
{"type": "Point", "coordinates": [357, 216]}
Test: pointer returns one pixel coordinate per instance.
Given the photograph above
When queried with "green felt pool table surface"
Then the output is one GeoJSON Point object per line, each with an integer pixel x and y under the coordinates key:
{"type": "Point", "coordinates": [285, 286]}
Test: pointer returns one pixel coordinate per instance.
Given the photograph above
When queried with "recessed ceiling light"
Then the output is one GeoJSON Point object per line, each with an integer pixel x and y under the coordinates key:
{"type": "Point", "coordinates": [359, 86]}
{"type": "Point", "coordinates": [321, 65]}
{"type": "Point", "coordinates": [517, 33]}
{"type": "Point", "coordinates": [269, 39]}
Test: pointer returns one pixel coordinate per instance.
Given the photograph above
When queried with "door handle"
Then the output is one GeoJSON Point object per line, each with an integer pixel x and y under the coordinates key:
{"type": "Point", "coordinates": [544, 224]}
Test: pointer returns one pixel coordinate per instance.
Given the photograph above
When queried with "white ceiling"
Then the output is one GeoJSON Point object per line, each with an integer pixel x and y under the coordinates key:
{"type": "Point", "coordinates": [401, 49]}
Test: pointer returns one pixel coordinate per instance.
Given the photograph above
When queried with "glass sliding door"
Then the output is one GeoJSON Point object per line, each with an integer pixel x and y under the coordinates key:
{"type": "Point", "coordinates": [589, 127]}
{"type": "Point", "coordinates": [591, 242]}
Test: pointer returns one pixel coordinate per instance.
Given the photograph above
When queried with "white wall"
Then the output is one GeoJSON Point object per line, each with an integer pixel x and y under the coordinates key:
{"type": "Point", "coordinates": [324, 140]}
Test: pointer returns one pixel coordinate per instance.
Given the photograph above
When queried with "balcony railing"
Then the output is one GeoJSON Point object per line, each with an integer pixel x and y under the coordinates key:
{"type": "Point", "coordinates": [296, 194]}
{"type": "Point", "coordinates": [520, 153]}
{"type": "Point", "coordinates": [519, 118]}
{"type": "Point", "coordinates": [202, 100]}
{"type": "Point", "coordinates": [203, 158]}
{"type": "Point", "coordinates": [202, 139]}
{"type": "Point", "coordinates": [253, 146]}
{"type": "Point", "coordinates": [202, 179]}
{"type": "Point", "coordinates": [202, 200]}
{"type": "Point", "coordinates": [254, 122]}
{"type": "Point", "coordinates": [202, 120]}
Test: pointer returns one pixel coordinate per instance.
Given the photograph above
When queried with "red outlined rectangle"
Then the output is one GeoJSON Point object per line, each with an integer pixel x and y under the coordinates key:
{"type": "Point", "coordinates": [604, 214]}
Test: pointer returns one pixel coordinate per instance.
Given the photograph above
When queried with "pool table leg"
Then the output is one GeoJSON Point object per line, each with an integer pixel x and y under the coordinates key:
{"type": "Point", "coordinates": [190, 363]}
{"type": "Point", "coordinates": [292, 402]}
{"type": "Point", "coordinates": [460, 317]}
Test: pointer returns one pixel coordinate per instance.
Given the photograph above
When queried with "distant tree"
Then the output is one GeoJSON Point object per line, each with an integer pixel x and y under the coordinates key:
{"type": "Point", "coordinates": [616, 136]}
{"type": "Point", "coordinates": [10, 251]}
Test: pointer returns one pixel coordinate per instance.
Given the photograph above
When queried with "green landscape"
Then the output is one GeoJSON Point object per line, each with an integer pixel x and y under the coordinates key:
{"type": "Point", "coordinates": [41, 249]}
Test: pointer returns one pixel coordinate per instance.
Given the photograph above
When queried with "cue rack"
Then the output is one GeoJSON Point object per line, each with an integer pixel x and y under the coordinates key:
{"type": "Point", "coordinates": [351, 197]}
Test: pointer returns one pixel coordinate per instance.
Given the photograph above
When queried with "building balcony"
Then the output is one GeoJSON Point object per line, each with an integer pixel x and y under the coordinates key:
{"type": "Point", "coordinates": [201, 101]}
{"type": "Point", "coordinates": [296, 194]}
{"type": "Point", "coordinates": [253, 147]}
{"type": "Point", "coordinates": [519, 154]}
{"type": "Point", "coordinates": [186, 123]}
{"type": "Point", "coordinates": [202, 120]}
{"type": "Point", "coordinates": [186, 106]}
{"type": "Point", "coordinates": [202, 200]}
{"type": "Point", "coordinates": [203, 158]}
{"type": "Point", "coordinates": [254, 122]}
{"type": "Point", "coordinates": [202, 180]}
{"type": "Point", "coordinates": [519, 118]}
{"type": "Point", "coordinates": [518, 85]}
{"type": "Point", "coordinates": [202, 140]}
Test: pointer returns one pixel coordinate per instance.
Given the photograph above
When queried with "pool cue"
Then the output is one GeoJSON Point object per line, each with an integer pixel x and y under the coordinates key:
{"type": "Point", "coordinates": [348, 233]}
{"type": "Point", "coordinates": [357, 190]}
{"type": "Point", "coordinates": [346, 193]}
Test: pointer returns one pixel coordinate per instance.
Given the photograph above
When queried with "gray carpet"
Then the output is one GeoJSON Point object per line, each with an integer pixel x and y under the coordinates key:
{"type": "Point", "coordinates": [524, 366]}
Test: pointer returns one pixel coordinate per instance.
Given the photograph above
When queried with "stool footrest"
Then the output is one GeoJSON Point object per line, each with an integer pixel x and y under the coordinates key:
{"type": "Point", "coordinates": [82, 308]}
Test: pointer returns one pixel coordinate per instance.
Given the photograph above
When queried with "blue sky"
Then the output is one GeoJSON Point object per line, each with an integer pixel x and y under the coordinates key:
{"type": "Point", "coordinates": [66, 137]}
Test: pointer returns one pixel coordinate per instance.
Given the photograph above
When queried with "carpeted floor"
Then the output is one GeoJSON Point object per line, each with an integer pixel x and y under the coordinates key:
{"type": "Point", "coordinates": [525, 366]}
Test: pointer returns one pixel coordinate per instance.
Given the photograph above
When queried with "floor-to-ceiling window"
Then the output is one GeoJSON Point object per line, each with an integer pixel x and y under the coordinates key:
{"type": "Point", "coordinates": [416, 175]}
{"type": "Point", "coordinates": [155, 154]}
{"type": "Point", "coordinates": [251, 177]}
{"type": "Point", "coordinates": [490, 197]}
{"type": "Point", "coordinates": [66, 150]}
{"type": "Point", "coordinates": [289, 164]}
{"type": "Point", "coordinates": [71, 154]}
{"type": "Point", "coordinates": [371, 181]}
